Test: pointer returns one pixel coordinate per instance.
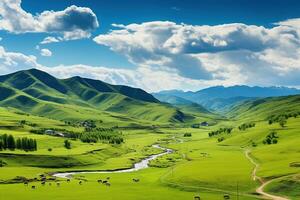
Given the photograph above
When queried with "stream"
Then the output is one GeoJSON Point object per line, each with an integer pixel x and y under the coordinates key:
{"type": "Point", "coordinates": [143, 164]}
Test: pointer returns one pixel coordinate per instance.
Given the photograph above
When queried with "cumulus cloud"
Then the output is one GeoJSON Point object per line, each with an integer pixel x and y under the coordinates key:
{"type": "Point", "coordinates": [50, 39]}
{"type": "Point", "coordinates": [46, 52]}
{"type": "Point", "coordinates": [73, 22]}
{"type": "Point", "coordinates": [228, 53]}
{"type": "Point", "coordinates": [143, 77]}
{"type": "Point", "coordinates": [189, 57]}
{"type": "Point", "coordinates": [14, 61]}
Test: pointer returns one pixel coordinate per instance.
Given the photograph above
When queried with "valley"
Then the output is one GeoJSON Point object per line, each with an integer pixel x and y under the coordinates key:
{"type": "Point", "coordinates": [82, 125]}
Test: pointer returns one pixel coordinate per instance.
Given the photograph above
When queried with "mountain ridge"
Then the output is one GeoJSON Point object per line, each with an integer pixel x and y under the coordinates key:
{"type": "Point", "coordinates": [220, 98]}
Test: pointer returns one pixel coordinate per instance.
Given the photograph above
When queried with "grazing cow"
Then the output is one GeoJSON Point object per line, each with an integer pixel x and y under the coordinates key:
{"type": "Point", "coordinates": [26, 183]}
{"type": "Point", "coordinates": [43, 183]}
{"type": "Point", "coordinates": [107, 184]}
{"type": "Point", "coordinates": [68, 180]}
{"type": "Point", "coordinates": [57, 184]}
{"type": "Point", "coordinates": [197, 198]}
{"type": "Point", "coordinates": [226, 196]}
{"type": "Point", "coordinates": [33, 187]}
{"type": "Point", "coordinates": [104, 182]}
{"type": "Point", "coordinates": [99, 181]}
{"type": "Point", "coordinates": [80, 182]}
{"type": "Point", "coordinates": [136, 180]}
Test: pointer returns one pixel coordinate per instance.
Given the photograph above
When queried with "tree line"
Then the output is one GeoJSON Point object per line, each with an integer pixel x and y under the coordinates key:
{"type": "Point", "coordinates": [220, 131]}
{"type": "Point", "coordinates": [282, 118]}
{"type": "Point", "coordinates": [89, 135]}
{"type": "Point", "coordinates": [24, 143]}
{"type": "Point", "coordinates": [246, 126]}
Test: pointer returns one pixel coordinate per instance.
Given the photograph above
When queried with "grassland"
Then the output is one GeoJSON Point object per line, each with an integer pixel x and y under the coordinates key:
{"type": "Point", "coordinates": [204, 166]}
{"type": "Point", "coordinates": [199, 166]}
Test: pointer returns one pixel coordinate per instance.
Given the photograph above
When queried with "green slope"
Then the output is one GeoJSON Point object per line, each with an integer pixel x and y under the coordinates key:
{"type": "Point", "coordinates": [260, 109]}
{"type": "Point", "coordinates": [39, 93]}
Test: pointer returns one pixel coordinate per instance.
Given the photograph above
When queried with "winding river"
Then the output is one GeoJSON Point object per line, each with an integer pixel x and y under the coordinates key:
{"type": "Point", "coordinates": [143, 164]}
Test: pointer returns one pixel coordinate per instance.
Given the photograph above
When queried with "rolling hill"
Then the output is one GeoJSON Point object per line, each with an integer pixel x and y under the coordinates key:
{"type": "Point", "coordinates": [39, 93]}
{"type": "Point", "coordinates": [261, 109]}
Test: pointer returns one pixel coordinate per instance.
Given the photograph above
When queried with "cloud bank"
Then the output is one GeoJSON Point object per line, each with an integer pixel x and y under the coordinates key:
{"type": "Point", "coordinates": [228, 53]}
{"type": "Point", "coordinates": [73, 22]}
{"type": "Point", "coordinates": [178, 56]}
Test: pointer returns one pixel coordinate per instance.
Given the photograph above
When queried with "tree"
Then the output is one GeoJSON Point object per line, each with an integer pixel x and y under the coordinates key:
{"type": "Point", "coordinates": [1, 145]}
{"type": "Point", "coordinates": [282, 122]}
{"type": "Point", "coordinates": [19, 144]}
{"type": "Point", "coordinates": [11, 144]}
{"type": "Point", "coordinates": [67, 144]}
{"type": "Point", "coordinates": [2, 163]}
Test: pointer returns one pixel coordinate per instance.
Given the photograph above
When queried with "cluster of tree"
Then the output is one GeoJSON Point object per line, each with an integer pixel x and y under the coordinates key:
{"type": "Point", "coordinates": [89, 123]}
{"type": "Point", "coordinates": [187, 135]}
{"type": "Point", "coordinates": [67, 144]}
{"type": "Point", "coordinates": [24, 122]}
{"type": "Point", "coordinates": [282, 118]}
{"type": "Point", "coordinates": [220, 131]}
{"type": "Point", "coordinates": [89, 135]}
{"type": "Point", "coordinates": [271, 138]}
{"type": "Point", "coordinates": [246, 126]}
{"type": "Point", "coordinates": [95, 136]}
{"type": "Point", "coordinates": [9, 142]}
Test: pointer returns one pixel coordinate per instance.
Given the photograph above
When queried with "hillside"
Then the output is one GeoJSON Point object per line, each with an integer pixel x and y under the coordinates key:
{"type": "Point", "coordinates": [39, 93]}
{"type": "Point", "coordinates": [263, 108]}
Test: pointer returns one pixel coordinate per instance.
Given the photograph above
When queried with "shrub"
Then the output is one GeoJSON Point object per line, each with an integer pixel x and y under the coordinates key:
{"type": "Point", "coordinates": [187, 135]}
{"type": "Point", "coordinates": [67, 144]}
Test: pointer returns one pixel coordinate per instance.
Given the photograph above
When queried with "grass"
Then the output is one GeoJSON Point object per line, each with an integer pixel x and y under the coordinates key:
{"type": "Point", "coordinates": [199, 165]}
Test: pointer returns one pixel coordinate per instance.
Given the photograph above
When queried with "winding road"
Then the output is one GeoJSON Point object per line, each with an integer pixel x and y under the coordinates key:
{"type": "Point", "coordinates": [260, 189]}
{"type": "Point", "coordinates": [143, 164]}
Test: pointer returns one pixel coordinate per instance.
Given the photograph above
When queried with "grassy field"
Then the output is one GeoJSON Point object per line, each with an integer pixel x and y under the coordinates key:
{"type": "Point", "coordinates": [200, 165]}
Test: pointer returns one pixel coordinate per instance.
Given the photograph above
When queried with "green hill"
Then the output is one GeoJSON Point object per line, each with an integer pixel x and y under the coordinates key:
{"type": "Point", "coordinates": [265, 107]}
{"type": "Point", "coordinates": [39, 93]}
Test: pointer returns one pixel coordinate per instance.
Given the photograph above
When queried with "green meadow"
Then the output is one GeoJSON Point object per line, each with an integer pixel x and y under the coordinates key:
{"type": "Point", "coordinates": [199, 165]}
{"type": "Point", "coordinates": [109, 128]}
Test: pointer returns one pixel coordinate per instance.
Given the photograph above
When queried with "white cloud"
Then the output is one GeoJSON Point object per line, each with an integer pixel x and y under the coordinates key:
{"type": "Point", "coordinates": [179, 56]}
{"type": "Point", "coordinates": [143, 77]}
{"type": "Point", "coordinates": [46, 52]}
{"type": "Point", "coordinates": [228, 54]}
{"type": "Point", "coordinates": [49, 39]}
{"type": "Point", "coordinates": [14, 61]}
{"type": "Point", "coordinates": [73, 22]}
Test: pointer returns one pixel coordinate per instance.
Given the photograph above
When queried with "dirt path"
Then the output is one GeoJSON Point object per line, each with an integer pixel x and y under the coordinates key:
{"type": "Point", "coordinates": [260, 189]}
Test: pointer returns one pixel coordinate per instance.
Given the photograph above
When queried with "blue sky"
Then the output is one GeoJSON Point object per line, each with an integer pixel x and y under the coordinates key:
{"type": "Point", "coordinates": [187, 44]}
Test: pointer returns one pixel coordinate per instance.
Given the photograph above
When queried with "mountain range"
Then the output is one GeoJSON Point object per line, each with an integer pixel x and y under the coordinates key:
{"type": "Point", "coordinates": [221, 99]}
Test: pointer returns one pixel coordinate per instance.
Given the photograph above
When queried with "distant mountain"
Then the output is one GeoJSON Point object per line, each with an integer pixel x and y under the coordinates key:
{"type": "Point", "coordinates": [37, 92]}
{"type": "Point", "coordinates": [221, 98]}
{"type": "Point", "coordinates": [186, 105]}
